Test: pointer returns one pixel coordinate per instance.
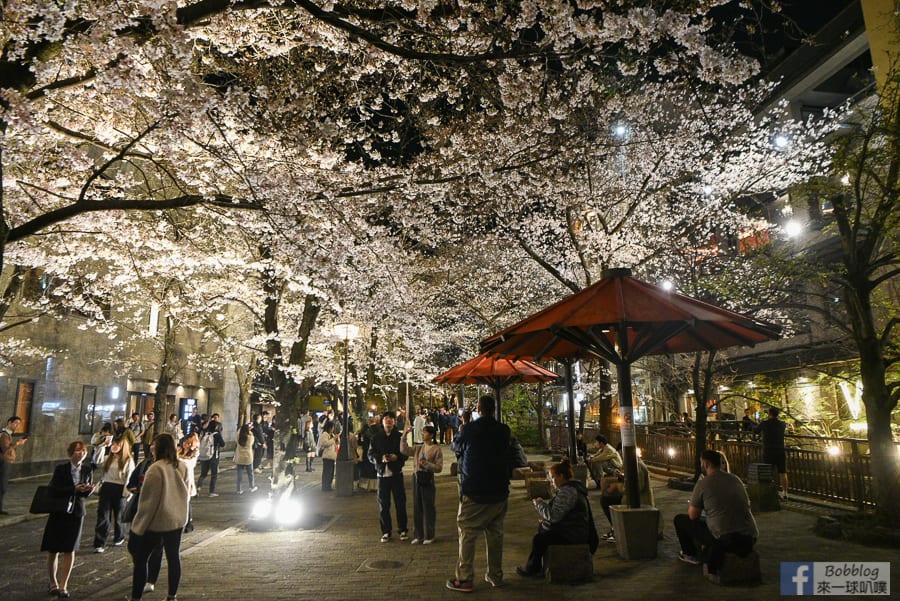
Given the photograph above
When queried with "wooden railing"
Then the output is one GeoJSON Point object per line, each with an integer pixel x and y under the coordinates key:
{"type": "Point", "coordinates": [844, 477]}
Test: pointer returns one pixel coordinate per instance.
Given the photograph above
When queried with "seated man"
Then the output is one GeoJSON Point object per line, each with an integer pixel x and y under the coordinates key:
{"type": "Point", "coordinates": [728, 526]}
{"type": "Point", "coordinates": [606, 461]}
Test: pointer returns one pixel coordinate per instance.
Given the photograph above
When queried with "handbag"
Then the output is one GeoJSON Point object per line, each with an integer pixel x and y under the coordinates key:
{"type": "Point", "coordinates": [45, 502]}
{"type": "Point", "coordinates": [131, 507]}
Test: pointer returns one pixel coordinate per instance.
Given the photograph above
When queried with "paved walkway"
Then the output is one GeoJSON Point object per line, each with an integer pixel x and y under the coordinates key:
{"type": "Point", "coordinates": [224, 561]}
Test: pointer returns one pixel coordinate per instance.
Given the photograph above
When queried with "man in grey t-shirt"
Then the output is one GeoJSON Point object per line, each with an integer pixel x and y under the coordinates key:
{"type": "Point", "coordinates": [728, 525]}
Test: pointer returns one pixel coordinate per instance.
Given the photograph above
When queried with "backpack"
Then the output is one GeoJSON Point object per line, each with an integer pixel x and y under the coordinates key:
{"type": "Point", "coordinates": [207, 446]}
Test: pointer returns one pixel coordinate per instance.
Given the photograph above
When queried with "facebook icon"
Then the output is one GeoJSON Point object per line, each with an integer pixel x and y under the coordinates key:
{"type": "Point", "coordinates": [796, 578]}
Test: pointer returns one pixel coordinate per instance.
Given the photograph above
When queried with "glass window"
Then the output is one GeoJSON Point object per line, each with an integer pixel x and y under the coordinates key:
{"type": "Point", "coordinates": [24, 397]}
{"type": "Point", "coordinates": [88, 410]}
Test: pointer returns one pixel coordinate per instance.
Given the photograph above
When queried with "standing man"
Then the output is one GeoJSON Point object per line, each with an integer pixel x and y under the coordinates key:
{"type": "Point", "coordinates": [259, 440]}
{"type": "Point", "coordinates": [211, 443]}
{"type": "Point", "coordinates": [384, 453]}
{"type": "Point", "coordinates": [8, 448]}
{"type": "Point", "coordinates": [137, 431]}
{"type": "Point", "coordinates": [270, 436]}
{"type": "Point", "coordinates": [772, 431]}
{"type": "Point", "coordinates": [728, 527]}
{"type": "Point", "coordinates": [482, 450]}
{"type": "Point", "coordinates": [123, 432]}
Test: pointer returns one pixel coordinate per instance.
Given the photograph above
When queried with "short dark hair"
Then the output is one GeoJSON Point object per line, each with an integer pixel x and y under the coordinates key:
{"type": "Point", "coordinates": [14, 418]}
{"type": "Point", "coordinates": [601, 439]}
{"type": "Point", "coordinates": [712, 457]}
{"type": "Point", "coordinates": [774, 411]}
{"type": "Point", "coordinates": [389, 414]}
{"type": "Point", "coordinates": [75, 445]}
{"type": "Point", "coordinates": [430, 429]}
{"type": "Point", "coordinates": [486, 405]}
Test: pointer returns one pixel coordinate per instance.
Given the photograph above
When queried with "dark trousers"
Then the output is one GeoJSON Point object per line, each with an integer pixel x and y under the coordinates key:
{"type": "Point", "coordinates": [387, 487]}
{"type": "Point", "coordinates": [4, 481]}
{"type": "Point", "coordinates": [110, 502]}
{"type": "Point", "coordinates": [696, 539]}
{"type": "Point", "coordinates": [607, 500]}
{"type": "Point", "coordinates": [424, 513]}
{"type": "Point", "coordinates": [539, 544]}
{"type": "Point", "coordinates": [258, 453]}
{"type": "Point", "coordinates": [142, 548]}
{"type": "Point", "coordinates": [327, 473]}
{"type": "Point", "coordinates": [211, 467]}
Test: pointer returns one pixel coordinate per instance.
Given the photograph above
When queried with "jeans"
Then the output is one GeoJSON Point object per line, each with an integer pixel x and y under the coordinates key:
{"type": "Point", "coordinates": [387, 487]}
{"type": "Point", "coordinates": [424, 513]}
{"type": "Point", "coordinates": [110, 502]}
{"type": "Point", "coordinates": [142, 546]}
{"type": "Point", "coordinates": [696, 539]}
{"type": "Point", "coordinates": [608, 499]}
{"type": "Point", "coordinates": [327, 473]}
{"type": "Point", "coordinates": [211, 467]}
{"type": "Point", "coordinates": [240, 470]}
{"type": "Point", "coordinates": [473, 519]}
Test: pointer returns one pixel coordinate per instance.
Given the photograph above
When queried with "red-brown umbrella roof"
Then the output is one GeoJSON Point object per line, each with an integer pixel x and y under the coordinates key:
{"type": "Point", "coordinates": [495, 372]}
{"type": "Point", "coordinates": [655, 322]}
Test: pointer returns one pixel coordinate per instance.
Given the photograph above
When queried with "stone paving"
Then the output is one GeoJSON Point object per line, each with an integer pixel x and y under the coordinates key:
{"type": "Point", "coordinates": [223, 560]}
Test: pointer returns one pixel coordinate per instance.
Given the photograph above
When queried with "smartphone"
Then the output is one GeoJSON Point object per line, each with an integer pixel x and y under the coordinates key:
{"type": "Point", "coordinates": [26, 435]}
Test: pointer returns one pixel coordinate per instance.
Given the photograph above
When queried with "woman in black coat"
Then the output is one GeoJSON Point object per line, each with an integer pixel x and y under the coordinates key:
{"type": "Point", "coordinates": [62, 535]}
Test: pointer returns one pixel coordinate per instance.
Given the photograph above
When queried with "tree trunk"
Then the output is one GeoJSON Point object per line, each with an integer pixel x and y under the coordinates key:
{"type": "Point", "coordinates": [701, 379]}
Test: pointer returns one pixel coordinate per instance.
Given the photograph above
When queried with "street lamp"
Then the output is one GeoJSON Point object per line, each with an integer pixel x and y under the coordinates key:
{"type": "Point", "coordinates": [344, 476]}
{"type": "Point", "coordinates": [407, 366]}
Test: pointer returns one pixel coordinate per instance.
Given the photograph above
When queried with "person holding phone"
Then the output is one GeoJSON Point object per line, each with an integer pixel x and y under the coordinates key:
{"type": "Point", "coordinates": [8, 448]}
{"type": "Point", "coordinates": [62, 534]}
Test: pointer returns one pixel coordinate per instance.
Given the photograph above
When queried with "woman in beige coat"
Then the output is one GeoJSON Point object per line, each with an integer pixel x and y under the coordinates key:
{"type": "Point", "coordinates": [161, 515]}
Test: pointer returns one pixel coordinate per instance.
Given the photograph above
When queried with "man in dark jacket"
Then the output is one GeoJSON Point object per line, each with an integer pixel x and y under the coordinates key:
{"type": "Point", "coordinates": [384, 453]}
{"type": "Point", "coordinates": [482, 451]}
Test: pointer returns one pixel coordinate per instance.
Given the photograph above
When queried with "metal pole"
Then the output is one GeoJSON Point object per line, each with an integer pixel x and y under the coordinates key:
{"type": "Point", "coordinates": [570, 410]}
{"type": "Point", "coordinates": [345, 446]}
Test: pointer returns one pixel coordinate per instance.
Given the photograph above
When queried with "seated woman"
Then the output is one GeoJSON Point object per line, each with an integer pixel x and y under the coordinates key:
{"type": "Point", "coordinates": [565, 520]}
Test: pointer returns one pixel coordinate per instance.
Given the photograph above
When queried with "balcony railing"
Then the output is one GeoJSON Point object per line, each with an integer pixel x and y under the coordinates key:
{"type": "Point", "coordinates": [841, 476]}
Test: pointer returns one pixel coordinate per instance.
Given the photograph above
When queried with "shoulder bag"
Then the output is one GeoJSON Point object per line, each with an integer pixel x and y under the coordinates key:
{"type": "Point", "coordinates": [45, 502]}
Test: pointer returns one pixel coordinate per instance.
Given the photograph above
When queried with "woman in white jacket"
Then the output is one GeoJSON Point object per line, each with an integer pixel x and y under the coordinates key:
{"type": "Point", "coordinates": [161, 515]}
{"type": "Point", "coordinates": [117, 470]}
{"type": "Point", "coordinates": [243, 458]}
{"type": "Point", "coordinates": [328, 451]}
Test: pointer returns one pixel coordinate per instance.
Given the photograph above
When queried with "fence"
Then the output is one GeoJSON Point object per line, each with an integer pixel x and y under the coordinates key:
{"type": "Point", "coordinates": [844, 477]}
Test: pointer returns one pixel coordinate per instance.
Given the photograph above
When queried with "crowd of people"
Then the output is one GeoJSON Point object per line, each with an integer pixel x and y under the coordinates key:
{"type": "Point", "coordinates": [154, 493]}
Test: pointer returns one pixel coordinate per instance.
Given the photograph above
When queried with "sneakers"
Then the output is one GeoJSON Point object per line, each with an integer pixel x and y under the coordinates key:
{"type": "Point", "coordinates": [463, 586]}
{"type": "Point", "coordinates": [494, 583]}
{"type": "Point", "coordinates": [99, 550]}
{"type": "Point", "coordinates": [609, 537]}
{"type": "Point", "coordinates": [688, 558]}
{"type": "Point", "coordinates": [240, 492]}
{"type": "Point", "coordinates": [427, 541]}
{"type": "Point", "coordinates": [119, 543]}
{"type": "Point", "coordinates": [213, 494]}
{"type": "Point", "coordinates": [254, 489]}
{"type": "Point", "coordinates": [386, 537]}
{"type": "Point", "coordinates": [415, 541]}
{"type": "Point", "coordinates": [404, 535]}
{"type": "Point", "coordinates": [148, 588]}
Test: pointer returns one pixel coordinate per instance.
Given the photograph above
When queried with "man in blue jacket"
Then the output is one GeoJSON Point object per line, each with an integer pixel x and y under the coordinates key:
{"type": "Point", "coordinates": [482, 451]}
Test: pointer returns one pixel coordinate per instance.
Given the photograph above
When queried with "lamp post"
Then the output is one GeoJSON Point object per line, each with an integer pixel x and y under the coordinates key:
{"type": "Point", "coordinates": [408, 366]}
{"type": "Point", "coordinates": [344, 465]}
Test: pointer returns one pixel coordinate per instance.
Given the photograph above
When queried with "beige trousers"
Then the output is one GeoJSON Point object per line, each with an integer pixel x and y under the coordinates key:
{"type": "Point", "coordinates": [472, 520]}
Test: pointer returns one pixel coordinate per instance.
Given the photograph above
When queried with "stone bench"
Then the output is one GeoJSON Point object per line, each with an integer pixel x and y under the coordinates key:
{"type": "Point", "coordinates": [568, 564]}
{"type": "Point", "coordinates": [537, 485]}
{"type": "Point", "coordinates": [537, 466]}
{"type": "Point", "coordinates": [520, 473]}
{"type": "Point", "coordinates": [736, 570]}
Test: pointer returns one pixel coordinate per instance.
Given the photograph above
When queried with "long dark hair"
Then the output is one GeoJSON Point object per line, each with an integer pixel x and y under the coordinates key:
{"type": "Point", "coordinates": [165, 448]}
{"type": "Point", "coordinates": [244, 434]}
